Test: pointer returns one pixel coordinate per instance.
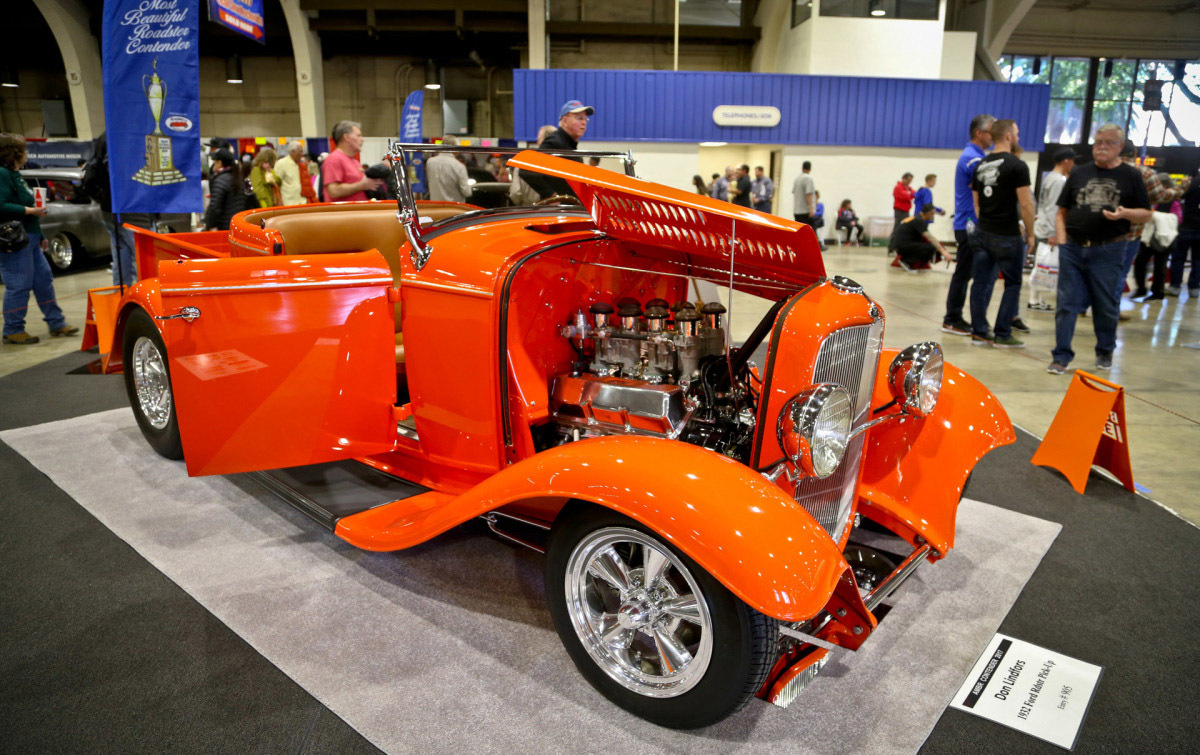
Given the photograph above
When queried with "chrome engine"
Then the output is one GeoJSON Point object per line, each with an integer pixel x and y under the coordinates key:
{"type": "Point", "coordinates": [643, 373]}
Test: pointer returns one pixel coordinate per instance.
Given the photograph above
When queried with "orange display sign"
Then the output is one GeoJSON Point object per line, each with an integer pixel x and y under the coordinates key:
{"type": "Point", "coordinates": [1089, 429]}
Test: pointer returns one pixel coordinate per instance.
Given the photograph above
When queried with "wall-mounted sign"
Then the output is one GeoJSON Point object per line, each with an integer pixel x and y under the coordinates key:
{"type": "Point", "coordinates": [243, 16]}
{"type": "Point", "coordinates": [766, 116]}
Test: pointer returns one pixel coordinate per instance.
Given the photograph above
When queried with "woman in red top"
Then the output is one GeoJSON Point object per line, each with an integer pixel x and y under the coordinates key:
{"type": "Point", "coordinates": [902, 197]}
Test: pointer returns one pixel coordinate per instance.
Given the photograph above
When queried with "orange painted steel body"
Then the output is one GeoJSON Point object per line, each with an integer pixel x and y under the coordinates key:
{"type": "Point", "coordinates": [1088, 429]}
{"type": "Point", "coordinates": [914, 469]}
{"type": "Point", "coordinates": [741, 528]}
{"type": "Point", "coordinates": [291, 362]}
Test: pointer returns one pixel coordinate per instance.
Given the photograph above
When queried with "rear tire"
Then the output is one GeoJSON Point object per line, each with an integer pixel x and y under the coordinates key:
{"type": "Point", "coordinates": [678, 648]}
{"type": "Point", "coordinates": [148, 385]}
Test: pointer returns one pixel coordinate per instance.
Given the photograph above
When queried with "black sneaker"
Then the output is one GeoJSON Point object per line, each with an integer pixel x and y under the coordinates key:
{"type": "Point", "coordinates": [977, 340]}
{"type": "Point", "coordinates": [958, 328]}
{"type": "Point", "coordinates": [1019, 324]}
{"type": "Point", "coordinates": [1056, 368]}
{"type": "Point", "coordinates": [1104, 363]}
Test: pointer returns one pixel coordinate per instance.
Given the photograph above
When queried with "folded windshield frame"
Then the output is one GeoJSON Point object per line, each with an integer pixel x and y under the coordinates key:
{"type": "Point", "coordinates": [398, 156]}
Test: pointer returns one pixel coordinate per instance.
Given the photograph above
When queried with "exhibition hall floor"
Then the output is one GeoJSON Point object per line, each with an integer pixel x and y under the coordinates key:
{"type": "Point", "coordinates": [139, 618]}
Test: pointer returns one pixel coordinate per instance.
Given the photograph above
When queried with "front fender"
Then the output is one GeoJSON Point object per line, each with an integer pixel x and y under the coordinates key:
{"type": "Point", "coordinates": [143, 294]}
{"type": "Point", "coordinates": [745, 531]}
{"type": "Point", "coordinates": [914, 468]}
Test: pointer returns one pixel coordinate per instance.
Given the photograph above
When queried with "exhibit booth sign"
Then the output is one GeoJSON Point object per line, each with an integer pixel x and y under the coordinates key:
{"type": "Point", "coordinates": [152, 105]}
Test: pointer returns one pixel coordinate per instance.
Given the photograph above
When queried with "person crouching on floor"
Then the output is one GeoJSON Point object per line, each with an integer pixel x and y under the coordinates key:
{"type": "Point", "coordinates": [914, 243]}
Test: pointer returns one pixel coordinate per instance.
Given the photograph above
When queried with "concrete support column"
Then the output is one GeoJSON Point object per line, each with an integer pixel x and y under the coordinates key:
{"type": "Point", "coordinates": [310, 70]}
{"type": "Point", "coordinates": [539, 46]}
{"type": "Point", "coordinates": [68, 19]}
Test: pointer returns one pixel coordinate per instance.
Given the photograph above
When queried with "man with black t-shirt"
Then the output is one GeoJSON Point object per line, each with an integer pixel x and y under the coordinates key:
{"type": "Point", "coordinates": [1003, 200]}
{"type": "Point", "coordinates": [1094, 213]}
{"type": "Point", "coordinates": [739, 188]}
{"type": "Point", "coordinates": [913, 243]}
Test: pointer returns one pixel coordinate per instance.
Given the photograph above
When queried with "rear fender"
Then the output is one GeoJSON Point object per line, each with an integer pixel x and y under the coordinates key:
{"type": "Point", "coordinates": [141, 295]}
{"type": "Point", "coordinates": [744, 530]}
{"type": "Point", "coordinates": [915, 468]}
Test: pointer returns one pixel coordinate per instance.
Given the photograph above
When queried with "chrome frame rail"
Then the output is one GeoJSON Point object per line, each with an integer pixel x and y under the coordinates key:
{"type": "Point", "coordinates": [897, 577]}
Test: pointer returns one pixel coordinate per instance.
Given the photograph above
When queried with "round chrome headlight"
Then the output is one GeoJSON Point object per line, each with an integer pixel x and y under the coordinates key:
{"type": "Point", "coordinates": [814, 429]}
{"type": "Point", "coordinates": [915, 377]}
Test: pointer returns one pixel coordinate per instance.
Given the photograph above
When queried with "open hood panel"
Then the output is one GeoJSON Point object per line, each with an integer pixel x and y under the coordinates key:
{"type": "Point", "coordinates": [770, 255]}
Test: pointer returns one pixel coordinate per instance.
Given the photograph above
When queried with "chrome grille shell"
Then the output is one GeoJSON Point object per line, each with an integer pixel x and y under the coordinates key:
{"type": "Point", "coordinates": [848, 357]}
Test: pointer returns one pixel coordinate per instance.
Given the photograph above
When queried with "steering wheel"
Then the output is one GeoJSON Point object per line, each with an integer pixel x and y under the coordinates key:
{"type": "Point", "coordinates": [558, 199]}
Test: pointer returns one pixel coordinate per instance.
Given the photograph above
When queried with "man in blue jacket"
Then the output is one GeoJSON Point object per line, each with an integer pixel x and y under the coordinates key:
{"type": "Point", "coordinates": [964, 223]}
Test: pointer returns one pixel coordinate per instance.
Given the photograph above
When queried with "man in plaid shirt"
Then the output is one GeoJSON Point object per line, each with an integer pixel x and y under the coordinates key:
{"type": "Point", "coordinates": [1158, 194]}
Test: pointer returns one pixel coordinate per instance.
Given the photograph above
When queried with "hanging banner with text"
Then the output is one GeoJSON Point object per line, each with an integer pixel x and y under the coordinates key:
{"type": "Point", "coordinates": [243, 16]}
{"type": "Point", "coordinates": [412, 132]}
{"type": "Point", "coordinates": [1030, 689]}
{"type": "Point", "coordinates": [152, 104]}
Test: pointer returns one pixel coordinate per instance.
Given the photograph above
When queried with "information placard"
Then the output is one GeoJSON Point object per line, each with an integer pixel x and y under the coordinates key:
{"type": "Point", "coordinates": [1030, 689]}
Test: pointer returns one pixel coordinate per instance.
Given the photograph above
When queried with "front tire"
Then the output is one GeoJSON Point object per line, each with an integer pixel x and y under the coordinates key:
{"type": "Point", "coordinates": [648, 627]}
{"type": "Point", "coordinates": [148, 385]}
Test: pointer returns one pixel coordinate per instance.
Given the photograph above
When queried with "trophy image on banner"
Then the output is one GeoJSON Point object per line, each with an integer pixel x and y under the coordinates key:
{"type": "Point", "coordinates": [160, 166]}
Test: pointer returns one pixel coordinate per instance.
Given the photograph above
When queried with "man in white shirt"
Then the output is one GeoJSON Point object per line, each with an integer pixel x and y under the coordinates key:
{"type": "Point", "coordinates": [803, 201]}
{"type": "Point", "coordinates": [1047, 210]}
{"type": "Point", "coordinates": [289, 174]}
{"type": "Point", "coordinates": [447, 177]}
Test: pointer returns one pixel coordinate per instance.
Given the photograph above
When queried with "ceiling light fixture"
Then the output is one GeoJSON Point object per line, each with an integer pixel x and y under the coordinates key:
{"type": "Point", "coordinates": [876, 10]}
{"type": "Point", "coordinates": [10, 78]}
{"type": "Point", "coordinates": [233, 70]}
{"type": "Point", "coordinates": [713, 144]}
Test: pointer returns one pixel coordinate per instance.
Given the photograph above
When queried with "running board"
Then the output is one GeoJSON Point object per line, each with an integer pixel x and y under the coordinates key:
{"type": "Point", "coordinates": [327, 492]}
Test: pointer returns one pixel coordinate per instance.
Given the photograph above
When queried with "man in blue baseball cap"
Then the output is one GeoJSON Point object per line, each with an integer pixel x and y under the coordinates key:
{"type": "Point", "coordinates": [572, 125]}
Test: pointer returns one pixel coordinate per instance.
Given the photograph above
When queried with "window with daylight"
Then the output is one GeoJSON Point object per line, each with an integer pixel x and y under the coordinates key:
{"type": "Point", "coordinates": [1116, 96]}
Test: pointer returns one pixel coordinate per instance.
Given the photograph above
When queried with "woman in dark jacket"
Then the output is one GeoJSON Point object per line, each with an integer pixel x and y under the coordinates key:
{"type": "Point", "coordinates": [226, 192]}
{"type": "Point", "coordinates": [25, 269]}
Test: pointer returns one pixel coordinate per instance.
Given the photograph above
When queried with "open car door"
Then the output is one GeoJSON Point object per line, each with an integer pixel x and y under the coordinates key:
{"type": "Point", "coordinates": [280, 361]}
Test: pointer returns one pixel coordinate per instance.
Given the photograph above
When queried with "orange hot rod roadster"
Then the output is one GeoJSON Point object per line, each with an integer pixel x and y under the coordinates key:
{"type": "Point", "coordinates": [395, 374]}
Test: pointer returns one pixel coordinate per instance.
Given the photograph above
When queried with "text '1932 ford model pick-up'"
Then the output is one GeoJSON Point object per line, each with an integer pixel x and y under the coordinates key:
{"type": "Point", "coordinates": [547, 369]}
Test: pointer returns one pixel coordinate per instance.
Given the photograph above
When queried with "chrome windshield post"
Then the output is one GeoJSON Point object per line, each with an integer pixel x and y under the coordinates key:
{"type": "Point", "coordinates": [407, 206]}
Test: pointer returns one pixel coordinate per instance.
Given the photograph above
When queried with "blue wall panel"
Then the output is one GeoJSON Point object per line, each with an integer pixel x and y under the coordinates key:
{"type": "Point", "coordinates": [839, 110]}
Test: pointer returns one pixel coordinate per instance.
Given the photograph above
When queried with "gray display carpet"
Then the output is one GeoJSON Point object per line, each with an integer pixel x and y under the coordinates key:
{"type": "Point", "coordinates": [448, 646]}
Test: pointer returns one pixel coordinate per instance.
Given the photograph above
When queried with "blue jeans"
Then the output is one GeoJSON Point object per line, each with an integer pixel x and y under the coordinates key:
{"type": "Point", "coordinates": [959, 280]}
{"type": "Point", "coordinates": [24, 271]}
{"type": "Point", "coordinates": [1088, 273]}
{"type": "Point", "coordinates": [1131, 250]}
{"type": "Point", "coordinates": [121, 244]}
{"type": "Point", "coordinates": [995, 254]}
{"type": "Point", "coordinates": [1188, 241]}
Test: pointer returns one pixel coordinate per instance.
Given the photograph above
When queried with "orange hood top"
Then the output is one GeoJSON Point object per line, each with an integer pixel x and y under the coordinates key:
{"type": "Point", "coordinates": [771, 255]}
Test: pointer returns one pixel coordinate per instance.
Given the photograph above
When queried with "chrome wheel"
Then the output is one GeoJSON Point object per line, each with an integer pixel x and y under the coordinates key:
{"type": "Point", "coordinates": [61, 253]}
{"type": "Point", "coordinates": [639, 612]}
{"type": "Point", "coordinates": [151, 382]}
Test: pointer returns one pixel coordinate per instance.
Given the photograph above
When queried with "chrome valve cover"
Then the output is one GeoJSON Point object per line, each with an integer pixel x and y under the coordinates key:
{"type": "Point", "coordinates": [619, 405]}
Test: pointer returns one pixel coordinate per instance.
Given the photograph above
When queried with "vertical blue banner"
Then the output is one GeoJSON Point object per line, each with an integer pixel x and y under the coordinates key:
{"type": "Point", "coordinates": [243, 16]}
{"type": "Point", "coordinates": [152, 104]}
{"type": "Point", "coordinates": [412, 132]}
